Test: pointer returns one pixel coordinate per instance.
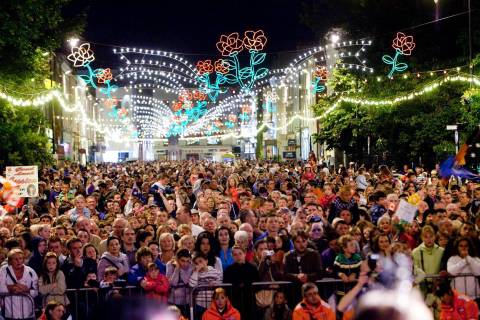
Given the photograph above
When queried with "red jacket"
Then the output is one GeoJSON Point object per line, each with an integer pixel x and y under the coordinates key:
{"type": "Point", "coordinates": [156, 288]}
{"type": "Point", "coordinates": [464, 308]}
{"type": "Point", "coordinates": [212, 313]}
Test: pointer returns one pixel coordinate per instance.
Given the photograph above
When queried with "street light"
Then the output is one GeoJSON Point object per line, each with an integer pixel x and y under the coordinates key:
{"type": "Point", "coordinates": [334, 38]}
{"type": "Point", "coordinates": [73, 41]}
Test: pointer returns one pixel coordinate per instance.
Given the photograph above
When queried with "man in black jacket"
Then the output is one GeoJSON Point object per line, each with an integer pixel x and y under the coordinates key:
{"type": "Point", "coordinates": [76, 267]}
{"type": "Point", "coordinates": [241, 275]}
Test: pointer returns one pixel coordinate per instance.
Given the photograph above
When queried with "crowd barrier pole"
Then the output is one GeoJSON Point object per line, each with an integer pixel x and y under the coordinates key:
{"type": "Point", "coordinates": [12, 302]}
{"type": "Point", "coordinates": [180, 299]}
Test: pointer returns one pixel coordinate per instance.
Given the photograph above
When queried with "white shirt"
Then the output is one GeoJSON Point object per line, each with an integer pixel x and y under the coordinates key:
{"type": "Point", "coordinates": [19, 307]}
{"type": "Point", "coordinates": [196, 230]}
{"type": "Point", "coordinates": [465, 284]}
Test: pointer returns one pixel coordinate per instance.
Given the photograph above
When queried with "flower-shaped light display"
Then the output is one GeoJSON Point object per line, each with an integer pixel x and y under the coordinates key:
{"type": "Point", "coordinates": [221, 67]}
{"type": "Point", "coordinates": [254, 40]}
{"type": "Point", "coordinates": [403, 43]}
{"type": "Point", "coordinates": [230, 44]}
{"type": "Point", "coordinates": [81, 56]}
{"type": "Point", "coordinates": [320, 76]}
{"type": "Point", "coordinates": [403, 46]}
{"type": "Point", "coordinates": [105, 75]}
{"type": "Point", "coordinates": [204, 67]}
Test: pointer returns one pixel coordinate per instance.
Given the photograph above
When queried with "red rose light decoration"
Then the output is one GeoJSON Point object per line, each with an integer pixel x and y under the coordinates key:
{"type": "Point", "coordinates": [105, 75]}
{"type": "Point", "coordinates": [229, 45]}
{"type": "Point", "coordinates": [221, 66]}
{"type": "Point", "coordinates": [403, 46]}
{"type": "Point", "coordinates": [204, 66]}
{"type": "Point", "coordinates": [403, 43]}
{"type": "Point", "coordinates": [254, 40]}
{"type": "Point", "coordinates": [321, 73]}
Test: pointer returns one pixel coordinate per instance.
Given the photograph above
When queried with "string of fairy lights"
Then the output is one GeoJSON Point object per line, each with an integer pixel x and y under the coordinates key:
{"type": "Point", "coordinates": [155, 80]}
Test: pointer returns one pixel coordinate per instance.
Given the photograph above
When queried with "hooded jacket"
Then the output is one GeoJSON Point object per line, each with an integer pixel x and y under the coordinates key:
{"type": "Point", "coordinates": [427, 259]}
{"type": "Point", "coordinates": [212, 313]}
{"type": "Point", "coordinates": [156, 288]}
{"type": "Point", "coordinates": [464, 308]}
{"type": "Point", "coordinates": [36, 260]}
{"type": "Point", "coordinates": [304, 311]}
{"type": "Point", "coordinates": [109, 260]}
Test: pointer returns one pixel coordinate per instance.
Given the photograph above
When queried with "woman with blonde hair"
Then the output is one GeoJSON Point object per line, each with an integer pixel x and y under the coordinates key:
{"type": "Point", "coordinates": [167, 247]}
{"type": "Point", "coordinates": [221, 308]}
{"type": "Point", "coordinates": [187, 242]}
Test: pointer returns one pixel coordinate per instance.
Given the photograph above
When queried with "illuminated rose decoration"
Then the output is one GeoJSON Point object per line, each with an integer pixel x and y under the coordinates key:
{"type": "Point", "coordinates": [105, 75]}
{"type": "Point", "coordinates": [231, 44]}
{"type": "Point", "coordinates": [123, 112]}
{"type": "Point", "coordinates": [232, 118]}
{"type": "Point", "coordinates": [403, 44]}
{"type": "Point", "coordinates": [110, 103]}
{"type": "Point", "coordinates": [321, 73]}
{"type": "Point", "coordinates": [82, 55]}
{"type": "Point", "coordinates": [221, 67]}
{"type": "Point", "coordinates": [254, 40]}
{"type": "Point", "coordinates": [177, 106]}
{"type": "Point", "coordinates": [185, 95]}
{"type": "Point", "coordinates": [199, 95]}
{"type": "Point", "coordinates": [204, 66]}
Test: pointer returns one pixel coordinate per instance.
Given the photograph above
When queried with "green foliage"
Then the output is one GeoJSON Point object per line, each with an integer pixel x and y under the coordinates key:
{"type": "Point", "coordinates": [405, 132]}
{"type": "Point", "coordinates": [30, 31]}
{"type": "Point", "coordinates": [22, 137]}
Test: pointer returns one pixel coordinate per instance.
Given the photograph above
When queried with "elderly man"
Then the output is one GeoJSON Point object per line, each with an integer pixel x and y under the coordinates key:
{"type": "Point", "coordinates": [86, 224]}
{"type": "Point", "coordinates": [118, 226]}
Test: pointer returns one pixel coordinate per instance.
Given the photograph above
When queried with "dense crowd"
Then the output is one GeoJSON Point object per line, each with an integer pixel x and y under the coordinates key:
{"type": "Point", "coordinates": [169, 227]}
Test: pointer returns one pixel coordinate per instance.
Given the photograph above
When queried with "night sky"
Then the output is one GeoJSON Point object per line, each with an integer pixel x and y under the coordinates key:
{"type": "Point", "coordinates": [192, 27]}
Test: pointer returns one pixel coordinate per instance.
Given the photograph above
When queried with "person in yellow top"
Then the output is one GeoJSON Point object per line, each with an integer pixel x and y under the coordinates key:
{"type": "Point", "coordinates": [312, 306]}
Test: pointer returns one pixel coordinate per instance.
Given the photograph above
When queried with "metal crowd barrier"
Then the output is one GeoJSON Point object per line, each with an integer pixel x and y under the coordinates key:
{"type": "Point", "coordinates": [17, 306]}
{"type": "Point", "coordinates": [464, 283]}
{"type": "Point", "coordinates": [179, 295]}
{"type": "Point", "coordinates": [83, 301]}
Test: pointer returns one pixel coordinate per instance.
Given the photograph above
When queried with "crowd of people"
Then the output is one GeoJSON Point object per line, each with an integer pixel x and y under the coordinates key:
{"type": "Point", "coordinates": [177, 229]}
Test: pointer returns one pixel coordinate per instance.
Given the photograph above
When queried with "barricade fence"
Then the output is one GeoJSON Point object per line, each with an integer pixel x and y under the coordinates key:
{"type": "Point", "coordinates": [251, 301]}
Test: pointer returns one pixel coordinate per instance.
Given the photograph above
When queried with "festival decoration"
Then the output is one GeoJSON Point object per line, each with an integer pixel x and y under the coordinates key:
{"type": "Point", "coordinates": [204, 70]}
{"type": "Point", "coordinates": [82, 56]}
{"type": "Point", "coordinates": [320, 74]}
{"type": "Point", "coordinates": [231, 45]}
{"type": "Point", "coordinates": [403, 45]}
{"type": "Point", "coordinates": [9, 195]}
{"type": "Point", "coordinates": [186, 110]}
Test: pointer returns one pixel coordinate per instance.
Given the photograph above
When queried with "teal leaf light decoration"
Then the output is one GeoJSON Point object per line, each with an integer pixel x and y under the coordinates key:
{"type": "Point", "coordinates": [403, 46]}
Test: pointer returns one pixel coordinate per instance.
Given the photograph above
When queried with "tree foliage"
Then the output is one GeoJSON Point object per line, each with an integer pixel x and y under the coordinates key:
{"type": "Point", "coordinates": [22, 136]}
{"type": "Point", "coordinates": [414, 130]}
{"type": "Point", "coordinates": [30, 32]}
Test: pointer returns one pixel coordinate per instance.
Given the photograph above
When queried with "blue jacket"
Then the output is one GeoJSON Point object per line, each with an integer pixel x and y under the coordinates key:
{"type": "Point", "coordinates": [136, 274]}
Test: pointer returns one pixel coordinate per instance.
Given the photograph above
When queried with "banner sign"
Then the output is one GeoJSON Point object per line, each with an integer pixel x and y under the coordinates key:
{"type": "Point", "coordinates": [26, 177]}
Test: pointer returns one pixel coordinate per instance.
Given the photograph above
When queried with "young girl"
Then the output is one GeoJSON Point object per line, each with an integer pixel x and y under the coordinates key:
{"type": "Point", "coordinates": [155, 284]}
{"type": "Point", "coordinates": [51, 283]}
